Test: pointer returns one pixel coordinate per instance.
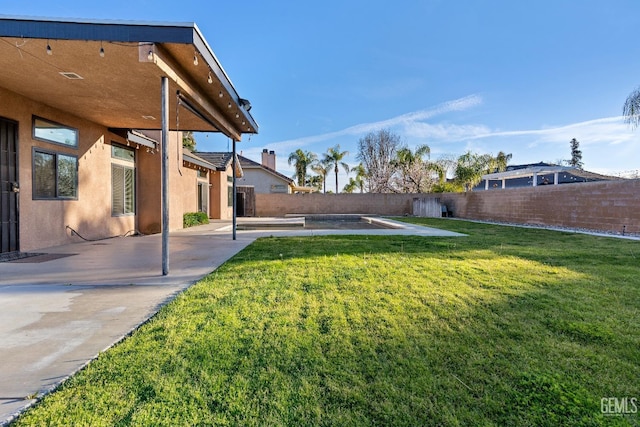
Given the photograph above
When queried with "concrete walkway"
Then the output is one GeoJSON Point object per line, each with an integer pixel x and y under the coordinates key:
{"type": "Point", "coordinates": [58, 311]}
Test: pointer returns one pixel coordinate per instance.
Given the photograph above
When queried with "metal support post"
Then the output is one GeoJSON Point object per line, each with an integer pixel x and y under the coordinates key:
{"type": "Point", "coordinates": [165, 176]}
{"type": "Point", "coordinates": [234, 189]}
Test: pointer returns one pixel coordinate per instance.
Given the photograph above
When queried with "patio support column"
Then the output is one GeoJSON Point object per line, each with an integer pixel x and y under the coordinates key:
{"type": "Point", "coordinates": [233, 226]}
{"type": "Point", "coordinates": [535, 179]}
{"type": "Point", "coordinates": [555, 178]}
{"type": "Point", "coordinates": [165, 175]}
{"type": "Point", "coordinates": [504, 183]}
{"type": "Point", "coordinates": [486, 184]}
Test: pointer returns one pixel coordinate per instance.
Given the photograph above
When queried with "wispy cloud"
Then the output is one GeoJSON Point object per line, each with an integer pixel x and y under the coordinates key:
{"type": "Point", "coordinates": [407, 119]}
{"type": "Point", "coordinates": [611, 130]}
{"type": "Point", "coordinates": [607, 143]}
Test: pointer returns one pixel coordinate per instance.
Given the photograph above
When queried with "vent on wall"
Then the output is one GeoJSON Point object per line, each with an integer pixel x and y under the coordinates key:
{"type": "Point", "coordinates": [71, 75]}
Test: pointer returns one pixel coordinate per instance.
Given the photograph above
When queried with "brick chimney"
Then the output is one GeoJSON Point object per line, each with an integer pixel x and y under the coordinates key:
{"type": "Point", "coordinates": [269, 159]}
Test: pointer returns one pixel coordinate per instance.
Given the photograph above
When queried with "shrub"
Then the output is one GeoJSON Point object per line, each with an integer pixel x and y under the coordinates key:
{"type": "Point", "coordinates": [191, 219]}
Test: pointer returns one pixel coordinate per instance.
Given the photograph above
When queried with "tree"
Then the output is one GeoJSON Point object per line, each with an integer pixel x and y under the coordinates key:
{"type": "Point", "coordinates": [351, 186]}
{"type": "Point", "coordinates": [333, 157]}
{"type": "Point", "coordinates": [442, 167]}
{"type": "Point", "coordinates": [322, 169]}
{"type": "Point", "coordinates": [189, 141]}
{"type": "Point", "coordinates": [471, 167]}
{"type": "Point", "coordinates": [361, 175]}
{"type": "Point", "coordinates": [376, 150]}
{"type": "Point", "coordinates": [301, 160]}
{"type": "Point", "coordinates": [502, 160]}
{"type": "Point", "coordinates": [631, 109]}
{"type": "Point", "coordinates": [576, 154]}
{"type": "Point", "coordinates": [412, 174]}
{"type": "Point", "coordinates": [314, 181]}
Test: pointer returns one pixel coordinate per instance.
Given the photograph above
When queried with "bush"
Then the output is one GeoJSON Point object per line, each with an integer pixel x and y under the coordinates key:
{"type": "Point", "coordinates": [191, 219]}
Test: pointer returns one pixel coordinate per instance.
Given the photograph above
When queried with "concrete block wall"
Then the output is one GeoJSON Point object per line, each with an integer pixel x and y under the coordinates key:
{"type": "Point", "coordinates": [317, 203]}
{"type": "Point", "coordinates": [604, 206]}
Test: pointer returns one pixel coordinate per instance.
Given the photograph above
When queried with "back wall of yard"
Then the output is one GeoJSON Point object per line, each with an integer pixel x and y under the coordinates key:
{"type": "Point", "coordinates": [603, 206]}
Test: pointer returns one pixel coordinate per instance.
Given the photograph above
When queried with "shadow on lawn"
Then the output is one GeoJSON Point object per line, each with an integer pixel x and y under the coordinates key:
{"type": "Point", "coordinates": [444, 336]}
{"type": "Point", "coordinates": [546, 354]}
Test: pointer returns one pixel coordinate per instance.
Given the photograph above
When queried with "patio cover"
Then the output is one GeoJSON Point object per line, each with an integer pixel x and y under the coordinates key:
{"type": "Point", "coordinates": [109, 72]}
{"type": "Point", "coordinates": [125, 75]}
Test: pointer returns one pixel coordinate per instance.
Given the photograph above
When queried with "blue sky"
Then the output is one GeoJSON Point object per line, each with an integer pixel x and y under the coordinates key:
{"type": "Point", "coordinates": [521, 77]}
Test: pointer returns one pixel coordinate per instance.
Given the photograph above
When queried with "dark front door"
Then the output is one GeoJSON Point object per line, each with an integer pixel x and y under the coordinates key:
{"type": "Point", "coordinates": [9, 186]}
{"type": "Point", "coordinates": [239, 204]}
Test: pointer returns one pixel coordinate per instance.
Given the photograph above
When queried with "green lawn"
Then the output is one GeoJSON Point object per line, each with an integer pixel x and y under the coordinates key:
{"type": "Point", "coordinates": [507, 326]}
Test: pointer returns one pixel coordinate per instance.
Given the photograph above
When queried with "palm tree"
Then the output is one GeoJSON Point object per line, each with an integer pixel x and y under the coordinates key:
{"type": "Point", "coordinates": [301, 160]}
{"type": "Point", "coordinates": [322, 169]}
{"type": "Point", "coordinates": [502, 160]}
{"type": "Point", "coordinates": [333, 157]}
{"type": "Point", "coordinates": [314, 181]}
{"type": "Point", "coordinates": [631, 109]}
{"type": "Point", "coordinates": [351, 186]}
{"type": "Point", "coordinates": [438, 168]}
{"type": "Point", "coordinates": [361, 175]}
{"type": "Point", "coordinates": [471, 167]}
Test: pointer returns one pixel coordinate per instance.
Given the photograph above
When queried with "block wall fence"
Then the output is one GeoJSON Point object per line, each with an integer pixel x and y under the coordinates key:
{"type": "Point", "coordinates": [606, 206]}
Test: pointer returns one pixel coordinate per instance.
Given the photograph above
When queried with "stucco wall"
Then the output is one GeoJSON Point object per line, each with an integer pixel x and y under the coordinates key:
{"type": "Point", "coordinates": [42, 223]}
{"type": "Point", "coordinates": [218, 195]}
{"type": "Point", "coordinates": [183, 196]}
{"type": "Point", "coordinates": [604, 206]}
{"type": "Point", "coordinates": [149, 193]}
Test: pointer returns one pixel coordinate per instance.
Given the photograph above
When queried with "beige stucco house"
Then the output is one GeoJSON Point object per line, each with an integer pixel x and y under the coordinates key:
{"type": "Point", "coordinates": [264, 177]}
{"type": "Point", "coordinates": [89, 111]}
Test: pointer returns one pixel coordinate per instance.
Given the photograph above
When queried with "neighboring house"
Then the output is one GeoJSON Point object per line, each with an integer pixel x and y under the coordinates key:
{"type": "Point", "coordinates": [88, 110]}
{"type": "Point", "coordinates": [263, 177]}
{"type": "Point", "coordinates": [532, 175]}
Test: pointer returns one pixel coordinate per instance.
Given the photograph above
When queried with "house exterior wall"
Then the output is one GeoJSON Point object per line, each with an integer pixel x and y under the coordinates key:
{"type": "Point", "coordinates": [215, 197]}
{"type": "Point", "coordinates": [42, 223]}
{"type": "Point", "coordinates": [606, 206]}
{"type": "Point", "coordinates": [262, 181]}
{"type": "Point", "coordinates": [218, 194]}
{"type": "Point", "coordinates": [149, 192]}
{"type": "Point", "coordinates": [189, 190]}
